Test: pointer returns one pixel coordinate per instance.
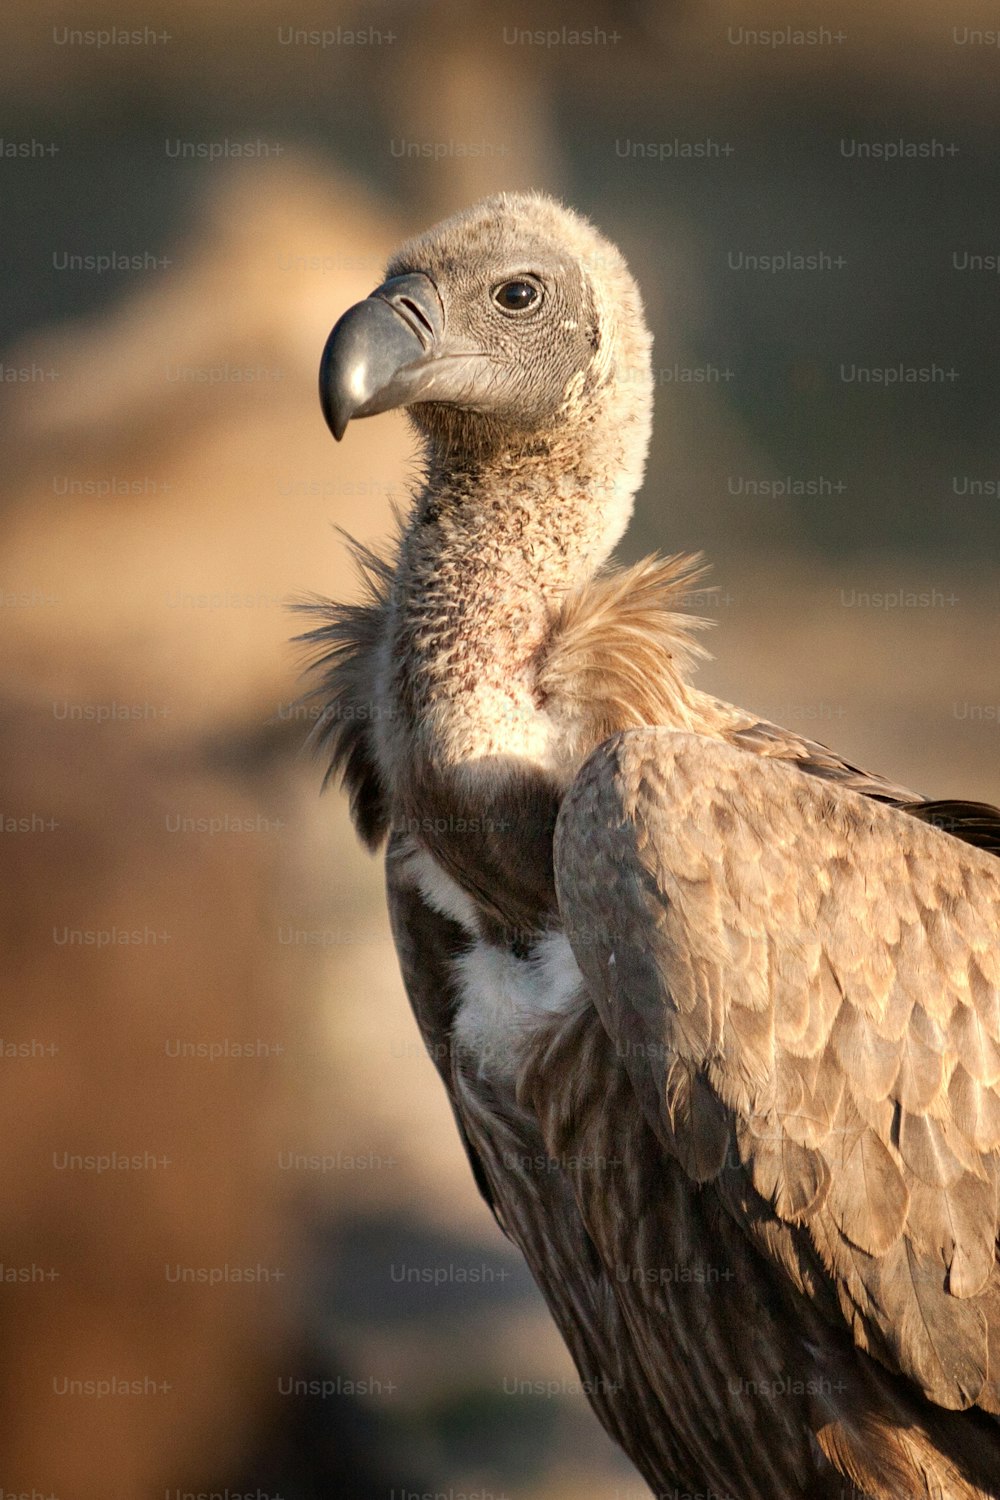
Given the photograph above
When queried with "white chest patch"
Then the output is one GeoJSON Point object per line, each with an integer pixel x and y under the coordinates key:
{"type": "Point", "coordinates": [506, 999]}
{"type": "Point", "coordinates": [442, 894]}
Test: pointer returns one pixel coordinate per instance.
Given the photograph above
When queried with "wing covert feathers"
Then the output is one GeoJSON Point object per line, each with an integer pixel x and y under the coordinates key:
{"type": "Point", "coordinates": [804, 985]}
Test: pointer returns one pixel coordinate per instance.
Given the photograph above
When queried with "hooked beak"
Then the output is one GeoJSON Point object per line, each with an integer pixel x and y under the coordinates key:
{"type": "Point", "coordinates": [391, 350]}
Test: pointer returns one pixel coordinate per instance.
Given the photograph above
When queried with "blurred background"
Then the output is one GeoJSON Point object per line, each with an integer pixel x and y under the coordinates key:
{"type": "Point", "coordinates": [240, 1248]}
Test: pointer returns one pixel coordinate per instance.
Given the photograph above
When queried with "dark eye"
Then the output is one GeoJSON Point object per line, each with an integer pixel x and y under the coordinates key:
{"type": "Point", "coordinates": [516, 296]}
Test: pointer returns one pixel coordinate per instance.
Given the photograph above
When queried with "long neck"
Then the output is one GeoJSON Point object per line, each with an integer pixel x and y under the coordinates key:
{"type": "Point", "coordinates": [492, 546]}
{"type": "Point", "coordinates": [502, 529]}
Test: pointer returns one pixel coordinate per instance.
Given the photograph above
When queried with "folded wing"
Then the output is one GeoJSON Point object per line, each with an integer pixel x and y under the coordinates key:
{"type": "Point", "coordinates": [804, 985]}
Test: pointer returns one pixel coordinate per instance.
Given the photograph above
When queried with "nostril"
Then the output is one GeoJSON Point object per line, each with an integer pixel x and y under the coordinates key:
{"type": "Point", "coordinates": [415, 300]}
{"type": "Point", "coordinates": [417, 314]}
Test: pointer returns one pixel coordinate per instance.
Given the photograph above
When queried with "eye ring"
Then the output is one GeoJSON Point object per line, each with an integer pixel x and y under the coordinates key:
{"type": "Point", "coordinates": [517, 295]}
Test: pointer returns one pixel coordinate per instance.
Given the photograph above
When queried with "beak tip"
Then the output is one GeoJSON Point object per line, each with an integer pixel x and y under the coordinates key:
{"type": "Point", "coordinates": [372, 347]}
{"type": "Point", "coordinates": [335, 413]}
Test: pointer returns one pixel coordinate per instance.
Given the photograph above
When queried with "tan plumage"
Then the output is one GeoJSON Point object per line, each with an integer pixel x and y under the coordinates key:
{"type": "Point", "coordinates": [610, 640]}
{"type": "Point", "coordinates": [718, 1013]}
{"type": "Point", "coordinates": [854, 1084]}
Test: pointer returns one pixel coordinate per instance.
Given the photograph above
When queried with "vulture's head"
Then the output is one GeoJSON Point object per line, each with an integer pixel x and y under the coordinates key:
{"type": "Point", "coordinates": [513, 326]}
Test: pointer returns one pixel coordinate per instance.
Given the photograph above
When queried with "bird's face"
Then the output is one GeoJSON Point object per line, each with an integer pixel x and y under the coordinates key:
{"type": "Point", "coordinates": [492, 320]}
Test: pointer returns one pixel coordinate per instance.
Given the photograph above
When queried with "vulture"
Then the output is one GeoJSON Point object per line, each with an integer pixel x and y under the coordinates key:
{"type": "Point", "coordinates": [718, 1013]}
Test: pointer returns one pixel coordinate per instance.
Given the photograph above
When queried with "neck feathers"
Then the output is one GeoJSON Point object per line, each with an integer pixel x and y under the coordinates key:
{"type": "Point", "coordinates": [342, 653]}
{"type": "Point", "coordinates": [621, 649]}
{"type": "Point", "coordinates": [610, 652]}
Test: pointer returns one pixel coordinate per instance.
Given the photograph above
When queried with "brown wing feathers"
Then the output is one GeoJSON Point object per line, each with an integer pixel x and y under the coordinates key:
{"type": "Point", "coordinates": [827, 969]}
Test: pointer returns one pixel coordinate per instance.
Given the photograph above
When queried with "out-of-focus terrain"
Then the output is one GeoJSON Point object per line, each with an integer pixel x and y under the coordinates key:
{"type": "Point", "coordinates": [240, 1244]}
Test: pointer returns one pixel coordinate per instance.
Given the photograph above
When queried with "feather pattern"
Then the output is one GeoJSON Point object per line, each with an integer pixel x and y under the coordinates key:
{"type": "Point", "coordinates": [897, 1185]}
{"type": "Point", "coordinates": [621, 646]}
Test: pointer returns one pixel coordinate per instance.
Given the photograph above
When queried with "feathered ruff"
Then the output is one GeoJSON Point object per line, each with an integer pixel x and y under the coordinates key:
{"type": "Point", "coordinates": [342, 662]}
{"type": "Point", "coordinates": [620, 648]}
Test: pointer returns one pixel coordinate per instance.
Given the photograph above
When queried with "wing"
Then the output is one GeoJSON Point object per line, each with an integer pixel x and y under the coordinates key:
{"type": "Point", "coordinates": [972, 822]}
{"type": "Point", "coordinates": [804, 986]}
{"type": "Point", "coordinates": [771, 741]}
